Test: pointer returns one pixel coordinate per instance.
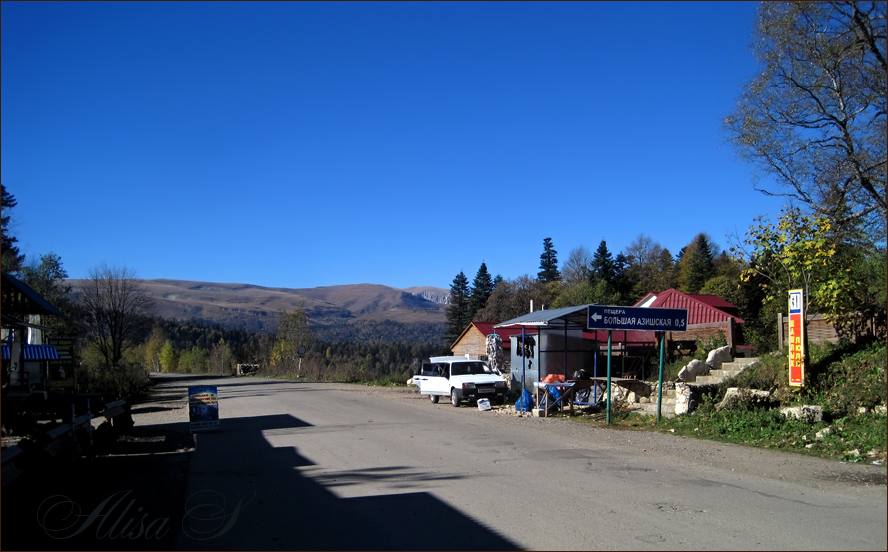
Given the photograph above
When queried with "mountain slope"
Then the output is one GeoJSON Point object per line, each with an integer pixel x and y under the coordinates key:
{"type": "Point", "coordinates": [256, 308]}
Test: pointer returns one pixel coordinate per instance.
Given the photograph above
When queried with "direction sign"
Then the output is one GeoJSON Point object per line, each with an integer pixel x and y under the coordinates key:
{"type": "Point", "coordinates": [608, 317]}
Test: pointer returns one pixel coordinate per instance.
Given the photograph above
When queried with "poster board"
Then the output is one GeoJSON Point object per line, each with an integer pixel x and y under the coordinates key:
{"type": "Point", "coordinates": [203, 408]}
{"type": "Point", "coordinates": [797, 341]}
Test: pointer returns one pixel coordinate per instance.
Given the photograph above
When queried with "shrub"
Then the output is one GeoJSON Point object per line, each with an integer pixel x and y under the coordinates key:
{"type": "Point", "coordinates": [856, 381]}
{"type": "Point", "coordinates": [128, 380]}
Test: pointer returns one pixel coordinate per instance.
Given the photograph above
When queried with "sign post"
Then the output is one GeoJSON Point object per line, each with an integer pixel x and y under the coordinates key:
{"type": "Point", "coordinates": [797, 338]}
{"type": "Point", "coordinates": [662, 320]}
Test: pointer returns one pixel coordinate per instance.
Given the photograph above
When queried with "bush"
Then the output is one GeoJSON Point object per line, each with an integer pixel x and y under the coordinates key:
{"type": "Point", "coordinates": [129, 380]}
{"type": "Point", "coordinates": [856, 381]}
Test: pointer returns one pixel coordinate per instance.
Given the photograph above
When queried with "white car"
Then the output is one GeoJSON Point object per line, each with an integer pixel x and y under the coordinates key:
{"type": "Point", "coordinates": [460, 379]}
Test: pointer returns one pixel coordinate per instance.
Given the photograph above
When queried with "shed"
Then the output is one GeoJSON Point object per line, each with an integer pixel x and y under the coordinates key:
{"type": "Point", "coordinates": [548, 342]}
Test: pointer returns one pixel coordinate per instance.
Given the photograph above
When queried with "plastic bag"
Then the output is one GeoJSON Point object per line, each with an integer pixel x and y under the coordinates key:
{"type": "Point", "coordinates": [525, 403]}
{"type": "Point", "coordinates": [483, 404]}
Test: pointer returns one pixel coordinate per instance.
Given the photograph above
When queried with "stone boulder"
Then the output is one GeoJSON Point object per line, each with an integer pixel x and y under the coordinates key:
{"type": "Point", "coordinates": [735, 395]}
{"type": "Point", "coordinates": [809, 413]}
{"type": "Point", "coordinates": [719, 356]}
{"type": "Point", "coordinates": [695, 368]}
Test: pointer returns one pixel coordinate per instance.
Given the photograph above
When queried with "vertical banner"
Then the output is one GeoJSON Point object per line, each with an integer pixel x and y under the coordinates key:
{"type": "Point", "coordinates": [203, 407]}
{"type": "Point", "coordinates": [797, 341]}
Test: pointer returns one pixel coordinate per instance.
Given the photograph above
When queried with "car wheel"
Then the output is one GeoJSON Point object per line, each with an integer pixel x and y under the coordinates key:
{"type": "Point", "coordinates": [454, 398]}
{"type": "Point", "coordinates": [434, 399]}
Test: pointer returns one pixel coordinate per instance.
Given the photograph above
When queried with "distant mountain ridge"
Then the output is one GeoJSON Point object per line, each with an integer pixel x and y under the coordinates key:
{"type": "Point", "coordinates": [256, 308]}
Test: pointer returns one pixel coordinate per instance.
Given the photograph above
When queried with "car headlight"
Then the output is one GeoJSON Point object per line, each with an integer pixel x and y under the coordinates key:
{"type": "Point", "coordinates": [468, 386]}
{"type": "Point", "coordinates": [500, 384]}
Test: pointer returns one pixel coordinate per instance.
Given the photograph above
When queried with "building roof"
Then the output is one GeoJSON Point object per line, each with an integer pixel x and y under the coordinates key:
{"type": "Point", "coordinates": [702, 309]}
{"type": "Point", "coordinates": [487, 328]}
{"type": "Point", "coordinates": [569, 317]}
{"type": "Point", "coordinates": [19, 299]}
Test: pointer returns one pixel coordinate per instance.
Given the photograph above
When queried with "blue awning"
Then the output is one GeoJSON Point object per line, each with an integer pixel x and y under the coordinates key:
{"type": "Point", "coordinates": [33, 352]}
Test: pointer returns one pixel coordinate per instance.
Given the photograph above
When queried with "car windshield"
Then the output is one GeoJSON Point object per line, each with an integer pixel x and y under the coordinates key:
{"type": "Point", "coordinates": [467, 368]}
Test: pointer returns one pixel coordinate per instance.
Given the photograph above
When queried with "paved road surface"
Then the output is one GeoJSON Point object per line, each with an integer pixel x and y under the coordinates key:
{"type": "Point", "coordinates": [314, 466]}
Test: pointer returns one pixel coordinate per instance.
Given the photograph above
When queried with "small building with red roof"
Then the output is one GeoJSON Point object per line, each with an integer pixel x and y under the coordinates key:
{"type": "Point", "coordinates": [708, 315]}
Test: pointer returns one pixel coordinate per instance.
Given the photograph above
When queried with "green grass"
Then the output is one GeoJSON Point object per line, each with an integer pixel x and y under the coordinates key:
{"type": "Point", "coordinates": [842, 379]}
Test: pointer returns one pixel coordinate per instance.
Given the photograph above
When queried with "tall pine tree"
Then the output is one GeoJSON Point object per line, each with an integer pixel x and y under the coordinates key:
{"type": "Point", "coordinates": [458, 313]}
{"type": "Point", "coordinates": [549, 263]}
{"type": "Point", "coordinates": [700, 264]}
{"type": "Point", "coordinates": [482, 287]}
{"type": "Point", "coordinates": [603, 266]}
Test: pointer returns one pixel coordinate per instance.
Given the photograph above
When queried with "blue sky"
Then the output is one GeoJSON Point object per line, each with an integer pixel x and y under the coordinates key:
{"type": "Point", "coordinates": [314, 144]}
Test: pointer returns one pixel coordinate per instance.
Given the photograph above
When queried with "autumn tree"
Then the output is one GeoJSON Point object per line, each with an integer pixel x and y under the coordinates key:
{"type": "Point", "coordinates": [813, 120]}
{"type": "Point", "coordinates": [293, 332]}
{"type": "Point", "coordinates": [576, 268]}
{"type": "Point", "coordinates": [153, 348]}
{"type": "Point", "coordinates": [643, 255]}
{"type": "Point", "coordinates": [803, 252]}
{"type": "Point", "coordinates": [168, 357]}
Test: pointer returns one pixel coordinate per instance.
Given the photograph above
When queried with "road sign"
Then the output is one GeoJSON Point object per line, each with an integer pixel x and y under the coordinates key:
{"type": "Point", "coordinates": [608, 317]}
{"type": "Point", "coordinates": [796, 338]}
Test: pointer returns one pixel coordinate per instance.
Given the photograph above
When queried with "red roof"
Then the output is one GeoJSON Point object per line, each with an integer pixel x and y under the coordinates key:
{"type": "Point", "coordinates": [702, 309]}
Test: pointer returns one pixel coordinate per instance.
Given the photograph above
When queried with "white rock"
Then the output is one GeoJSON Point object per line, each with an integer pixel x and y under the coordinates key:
{"type": "Point", "coordinates": [809, 413]}
{"type": "Point", "coordinates": [823, 432]}
{"type": "Point", "coordinates": [695, 368]}
{"type": "Point", "coordinates": [719, 356]}
{"type": "Point", "coordinates": [735, 394]}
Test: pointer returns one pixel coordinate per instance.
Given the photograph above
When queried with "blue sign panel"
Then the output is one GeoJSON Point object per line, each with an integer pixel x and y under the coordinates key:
{"type": "Point", "coordinates": [607, 317]}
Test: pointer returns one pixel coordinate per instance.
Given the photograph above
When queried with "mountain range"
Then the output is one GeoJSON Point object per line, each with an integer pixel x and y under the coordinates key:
{"type": "Point", "coordinates": [256, 308]}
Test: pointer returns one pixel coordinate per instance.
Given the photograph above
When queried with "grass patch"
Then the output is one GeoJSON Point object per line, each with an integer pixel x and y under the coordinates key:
{"type": "Point", "coordinates": [847, 380]}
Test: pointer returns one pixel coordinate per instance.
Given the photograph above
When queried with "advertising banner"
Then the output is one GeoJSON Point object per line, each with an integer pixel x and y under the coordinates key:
{"type": "Point", "coordinates": [797, 341]}
{"type": "Point", "coordinates": [203, 407]}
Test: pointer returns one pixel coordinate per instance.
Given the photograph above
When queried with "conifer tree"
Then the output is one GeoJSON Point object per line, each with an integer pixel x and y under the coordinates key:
{"type": "Point", "coordinates": [603, 266]}
{"type": "Point", "coordinates": [458, 313]}
{"type": "Point", "coordinates": [482, 287]}
{"type": "Point", "coordinates": [700, 264]}
{"type": "Point", "coordinates": [549, 263]}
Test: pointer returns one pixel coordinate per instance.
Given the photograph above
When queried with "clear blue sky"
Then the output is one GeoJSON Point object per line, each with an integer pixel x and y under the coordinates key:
{"type": "Point", "coordinates": [314, 144]}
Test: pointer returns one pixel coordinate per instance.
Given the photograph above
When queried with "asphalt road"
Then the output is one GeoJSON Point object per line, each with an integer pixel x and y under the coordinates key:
{"type": "Point", "coordinates": [315, 466]}
{"type": "Point", "coordinates": [299, 466]}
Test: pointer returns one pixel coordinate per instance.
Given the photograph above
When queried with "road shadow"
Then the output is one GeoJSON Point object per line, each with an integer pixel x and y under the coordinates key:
{"type": "Point", "coordinates": [102, 503]}
{"type": "Point", "coordinates": [163, 488]}
{"type": "Point", "coordinates": [257, 500]}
